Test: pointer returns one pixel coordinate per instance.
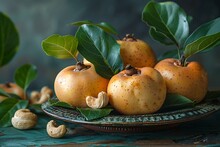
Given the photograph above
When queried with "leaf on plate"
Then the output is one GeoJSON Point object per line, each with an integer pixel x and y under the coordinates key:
{"type": "Point", "coordinates": [56, 102]}
{"type": "Point", "coordinates": [175, 101]}
{"type": "Point", "coordinates": [203, 38]}
{"type": "Point", "coordinates": [168, 20]}
{"type": "Point", "coordinates": [103, 25]}
{"type": "Point", "coordinates": [101, 49]}
{"type": "Point", "coordinates": [9, 39]}
{"type": "Point", "coordinates": [91, 114]}
{"type": "Point", "coordinates": [7, 109]}
{"type": "Point", "coordinates": [24, 75]}
{"type": "Point", "coordinates": [61, 47]}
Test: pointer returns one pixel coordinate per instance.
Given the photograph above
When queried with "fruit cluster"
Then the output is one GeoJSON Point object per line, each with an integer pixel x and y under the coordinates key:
{"type": "Point", "coordinates": [126, 72]}
{"type": "Point", "coordinates": [140, 88]}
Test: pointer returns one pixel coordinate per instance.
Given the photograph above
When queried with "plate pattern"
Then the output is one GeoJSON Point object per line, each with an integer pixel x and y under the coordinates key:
{"type": "Point", "coordinates": [165, 118]}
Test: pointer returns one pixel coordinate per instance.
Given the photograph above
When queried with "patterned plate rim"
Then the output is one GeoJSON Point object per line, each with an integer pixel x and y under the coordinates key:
{"type": "Point", "coordinates": [163, 118]}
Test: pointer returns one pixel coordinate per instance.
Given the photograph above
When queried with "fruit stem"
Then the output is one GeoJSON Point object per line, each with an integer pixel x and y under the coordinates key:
{"type": "Point", "coordinates": [8, 84]}
{"type": "Point", "coordinates": [80, 66]}
{"type": "Point", "coordinates": [130, 70]}
{"type": "Point", "coordinates": [182, 60]}
{"type": "Point", "coordinates": [129, 37]}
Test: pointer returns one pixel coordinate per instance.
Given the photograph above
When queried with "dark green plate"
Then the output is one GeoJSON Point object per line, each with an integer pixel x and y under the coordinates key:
{"type": "Point", "coordinates": [133, 123]}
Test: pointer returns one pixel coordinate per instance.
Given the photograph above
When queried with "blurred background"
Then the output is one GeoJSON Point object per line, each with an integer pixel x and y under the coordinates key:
{"type": "Point", "coordinates": [36, 20]}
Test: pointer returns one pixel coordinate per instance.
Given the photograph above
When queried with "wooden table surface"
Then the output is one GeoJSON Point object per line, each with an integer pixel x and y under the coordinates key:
{"type": "Point", "coordinates": [200, 132]}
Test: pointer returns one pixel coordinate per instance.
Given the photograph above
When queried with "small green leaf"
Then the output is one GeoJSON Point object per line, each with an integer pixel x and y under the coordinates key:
{"type": "Point", "coordinates": [105, 26]}
{"type": "Point", "coordinates": [203, 38]}
{"type": "Point", "coordinates": [61, 47]}
{"type": "Point", "coordinates": [91, 114]}
{"type": "Point", "coordinates": [56, 102]}
{"type": "Point", "coordinates": [101, 49]}
{"type": "Point", "coordinates": [9, 39]}
{"type": "Point", "coordinates": [175, 102]}
{"type": "Point", "coordinates": [168, 19]}
{"type": "Point", "coordinates": [24, 75]}
{"type": "Point", "coordinates": [8, 108]}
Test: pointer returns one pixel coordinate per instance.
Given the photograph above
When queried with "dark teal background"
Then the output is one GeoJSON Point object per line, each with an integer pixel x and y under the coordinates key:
{"type": "Point", "coordinates": [36, 20]}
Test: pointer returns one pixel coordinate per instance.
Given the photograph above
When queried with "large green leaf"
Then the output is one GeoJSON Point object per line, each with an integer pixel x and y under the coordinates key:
{"type": "Point", "coordinates": [175, 102]}
{"type": "Point", "coordinates": [168, 19]}
{"type": "Point", "coordinates": [8, 108]}
{"type": "Point", "coordinates": [24, 75]}
{"type": "Point", "coordinates": [91, 114]}
{"type": "Point", "coordinates": [9, 39]}
{"type": "Point", "coordinates": [105, 26]}
{"type": "Point", "coordinates": [160, 37]}
{"type": "Point", "coordinates": [101, 49]}
{"type": "Point", "coordinates": [61, 47]}
{"type": "Point", "coordinates": [203, 38]}
{"type": "Point", "coordinates": [169, 54]}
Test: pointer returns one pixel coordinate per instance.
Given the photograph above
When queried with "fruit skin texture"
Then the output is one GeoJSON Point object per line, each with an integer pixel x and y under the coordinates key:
{"type": "Point", "coordinates": [137, 94]}
{"type": "Point", "coordinates": [190, 81]}
{"type": "Point", "coordinates": [137, 53]}
{"type": "Point", "coordinates": [12, 88]}
{"type": "Point", "coordinates": [74, 86]}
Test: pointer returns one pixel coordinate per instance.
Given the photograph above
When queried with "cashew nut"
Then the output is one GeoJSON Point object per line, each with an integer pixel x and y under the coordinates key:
{"type": "Point", "coordinates": [39, 99]}
{"type": "Point", "coordinates": [46, 90]}
{"type": "Point", "coordinates": [99, 102]}
{"type": "Point", "coordinates": [55, 131]}
{"type": "Point", "coordinates": [24, 119]}
{"type": "Point", "coordinates": [42, 96]}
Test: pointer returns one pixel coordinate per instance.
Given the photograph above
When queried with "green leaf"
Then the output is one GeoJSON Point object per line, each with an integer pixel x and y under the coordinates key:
{"type": "Point", "coordinates": [9, 39]}
{"type": "Point", "coordinates": [169, 54]}
{"type": "Point", "coordinates": [160, 37]}
{"type": "Point", "coordinates": [175, 102]}
{"type": "Point", "coordinates": [24, 75]}
{"type": "Point", "coordinates": [203, 38]}
{"type": "Point", "coordinates": [61, 47]}
{"type": "Point", "coordinates": [103, 25]}
{"type": "Point", "coordinates": [3, 93]}
{"type": "Point", "coordinates": [101, 49]}
{"type": "Point", "coordinates": [8, 108]}
{"type": "Point", "coordinates": [168, 20]}
{"type": "Point", "coordinates": [8, 95]}
{"type": "Point", "coordinates": [36, 108]}
{"type": "Point", "coordinates": [56, 102]}
{"type": "Point", "coordinates": [91, 114]}
{"type": "Point", "coordinates": [79, 23]}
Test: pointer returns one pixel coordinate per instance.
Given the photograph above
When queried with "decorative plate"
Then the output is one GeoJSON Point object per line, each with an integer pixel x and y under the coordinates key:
{"type": "Point", "coordinates": [135, 123]}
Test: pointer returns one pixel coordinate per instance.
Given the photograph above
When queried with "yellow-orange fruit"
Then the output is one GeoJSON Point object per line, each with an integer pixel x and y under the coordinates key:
{"type": "Point", "coordinates": [137, 53]}
{"type": "Point", "coordinates": [190, 81]}
{"type": "Point", "coordinates": [139, 93]}
{"type": "Point", "coordinates": [73, 86]}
